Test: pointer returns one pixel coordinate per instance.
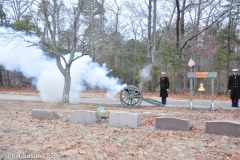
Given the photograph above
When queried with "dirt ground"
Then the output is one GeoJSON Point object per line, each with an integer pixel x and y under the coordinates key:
{"type": "Point", "coordinates": [23, 137]}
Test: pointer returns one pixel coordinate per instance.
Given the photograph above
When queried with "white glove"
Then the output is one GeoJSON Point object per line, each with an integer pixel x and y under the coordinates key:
{"type": "Point", "coordinates": [167, 89]}
{"type": "Point", "coordinates": [229, 90]}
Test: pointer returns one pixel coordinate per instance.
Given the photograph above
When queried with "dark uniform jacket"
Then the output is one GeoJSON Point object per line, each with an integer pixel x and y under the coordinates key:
{"type": "Point", "coordinates": [234, 86]}
{"type": "Point", "coordinates": [164, 85]}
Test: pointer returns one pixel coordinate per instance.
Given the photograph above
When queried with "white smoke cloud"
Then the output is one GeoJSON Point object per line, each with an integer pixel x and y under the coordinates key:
{"type": "Point", "coordinates": [19, 55]}
{"type": "Point", "coordinates": [145, 75]}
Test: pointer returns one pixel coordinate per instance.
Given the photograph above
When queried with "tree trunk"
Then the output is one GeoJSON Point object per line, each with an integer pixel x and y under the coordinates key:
{"type": "Point", "coordinates": [177, 43]}
{"type": "Point", "coordinates": [229, 41]}
{"type": "Point", "coordinates": [149, 28]}
{"type": "Point", "coordinates": [1, 78]}
{"type": "Point", "coordinates": [154, 30]}
{"type": "Point", "coordinates": [177, 24]}
{"type": "Point", "coordinates": [67, 78]}
{"type": "Point", "coordinates": [8, 79]}
{"type": "Point", "coordinates": [182, 20]}
{"type": "Point", "coordinates": [153, 51]}
{"type": "Point", "coordinates": [67, 85]}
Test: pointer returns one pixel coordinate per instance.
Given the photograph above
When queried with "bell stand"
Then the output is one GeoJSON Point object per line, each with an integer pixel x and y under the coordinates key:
{"type": "Point", "coordinates": [211, 75]}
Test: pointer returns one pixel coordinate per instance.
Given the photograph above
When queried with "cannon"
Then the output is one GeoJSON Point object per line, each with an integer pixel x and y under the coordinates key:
{"type": "Point", "coordinates": [131, 97]}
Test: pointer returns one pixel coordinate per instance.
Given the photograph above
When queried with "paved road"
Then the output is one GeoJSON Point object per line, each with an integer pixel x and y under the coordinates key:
{"type": "Point", "coordinates": [104, 100]}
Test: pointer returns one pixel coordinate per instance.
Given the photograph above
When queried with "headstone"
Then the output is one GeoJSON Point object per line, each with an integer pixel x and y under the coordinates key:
{"type": "Point", "coordinates": [44, 114]}
{"type": "Point", "coordinates": [121, 119]}
{"type": "Point", "coordinates": [84, 116]}
{"type": "Point", "coordinates": [222, 128]}
{"type": "Point", "coordinates": [174, 124]}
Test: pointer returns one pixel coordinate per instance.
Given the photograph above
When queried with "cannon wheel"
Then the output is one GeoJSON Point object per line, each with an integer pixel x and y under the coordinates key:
{"type": "Point", "coordinates": [131, 96]}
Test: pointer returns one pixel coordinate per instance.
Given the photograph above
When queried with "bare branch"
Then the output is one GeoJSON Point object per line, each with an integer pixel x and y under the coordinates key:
{"type": "Point", "coordinates": [79, 57]}
{"type": "Point", "coordinates": [204, 29]}
{"type": "Point", "coordinates": [192, 4]}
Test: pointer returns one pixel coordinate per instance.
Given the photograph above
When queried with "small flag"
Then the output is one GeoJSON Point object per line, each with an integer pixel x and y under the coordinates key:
{"type": "Point", "coordinates": [191, 63]}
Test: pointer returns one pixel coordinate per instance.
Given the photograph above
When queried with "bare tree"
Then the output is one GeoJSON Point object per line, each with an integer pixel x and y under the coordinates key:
{"type": "Point", "coordinates": [72, 43]}
{"type": "Point", "coordinates": [94, 19]}
{"type": "Point", "coordinates": [216, 19]}
{"type": "Point", "coordinates": [17, 8]}
{"type": "Point", "coordinates": [115, 36]}
{"type": "Point", "coordinates": [3, 19]}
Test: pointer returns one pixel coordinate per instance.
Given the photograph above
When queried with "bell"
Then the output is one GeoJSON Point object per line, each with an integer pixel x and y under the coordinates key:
{"type": "Point", "coordinates": [201, 87]}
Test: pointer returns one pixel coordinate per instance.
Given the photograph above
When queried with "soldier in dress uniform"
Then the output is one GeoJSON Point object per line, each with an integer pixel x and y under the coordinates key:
{"type": "Point", "coordinates": [164, 87]}
{"type": "Point", "coordinates": [234, 87]}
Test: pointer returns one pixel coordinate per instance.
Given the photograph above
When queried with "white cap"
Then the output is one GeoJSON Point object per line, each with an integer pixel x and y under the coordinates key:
{"type": "Point", "coordinates": [163, 73]}
{"type": "Point", "coordinates": [235, 70]}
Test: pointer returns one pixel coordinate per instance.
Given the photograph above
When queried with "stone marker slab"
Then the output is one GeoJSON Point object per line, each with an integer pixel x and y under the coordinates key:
{"type": "Point", "coordinates": [44, 114]}
{"type": "Point", "coordinates": [121, 119]}
{"type": "Point", "coordinates": [222, 128]}
{"type": "Point", "coordinates": [84, 116]}
{"type": "Point", "coordinates": [174, 124]}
